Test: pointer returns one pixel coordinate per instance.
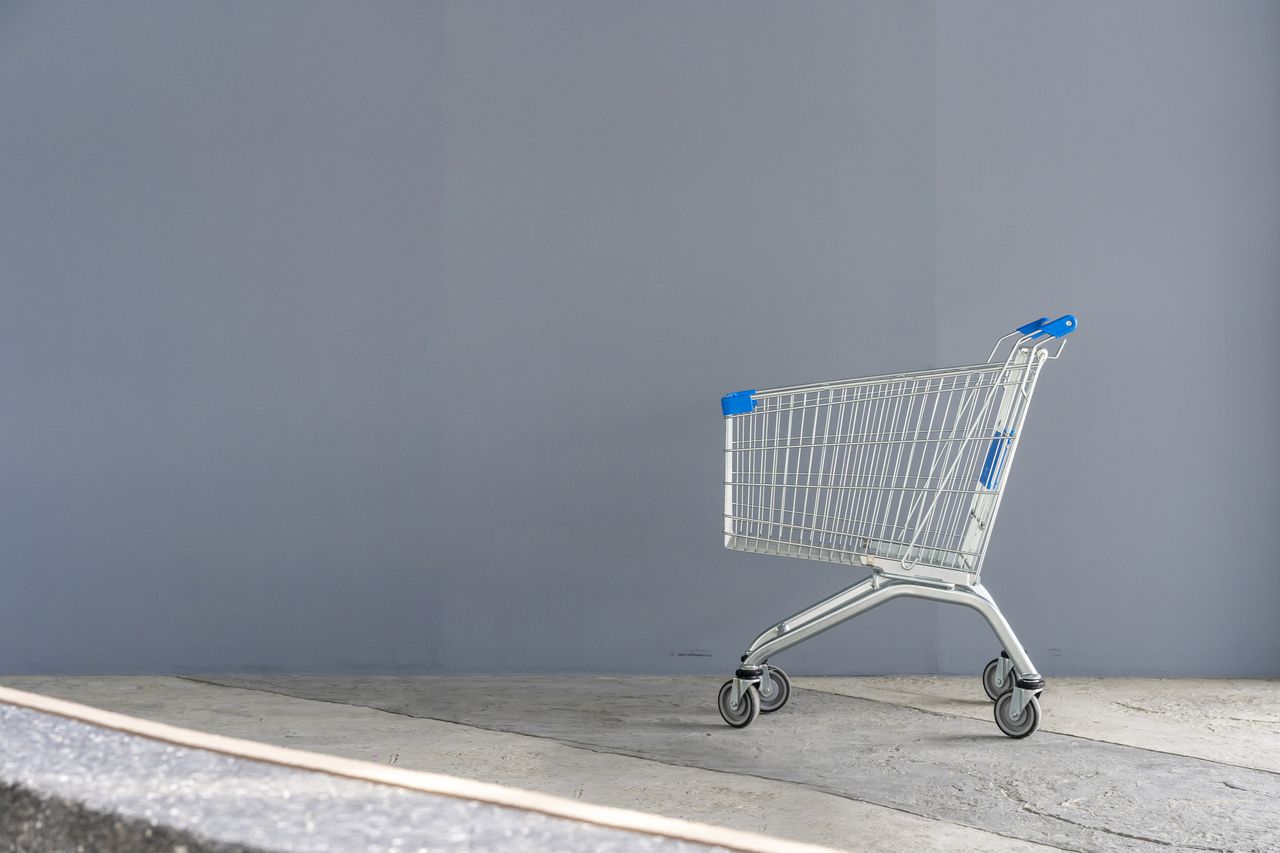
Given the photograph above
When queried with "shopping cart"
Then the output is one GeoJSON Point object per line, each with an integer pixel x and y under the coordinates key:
{"type": "Point", "coordinates": [899, 474]}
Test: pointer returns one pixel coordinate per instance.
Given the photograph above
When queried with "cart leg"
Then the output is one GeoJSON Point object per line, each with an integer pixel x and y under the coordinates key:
{"type": "Point", "coordinates": [813, 620]}
{"type": "Point", "coordinates": [811, 614]}
{"type": "Point", "coordinates": [873, 592]}
{"type": "Point", "coordinates": [1017, 711]}
{"type": "Point", "coordinates": [810, 622]}
{"type": "Point", "coordinates": [1028, 683]}
{"type": "Point", "coordinates": [982, 601]}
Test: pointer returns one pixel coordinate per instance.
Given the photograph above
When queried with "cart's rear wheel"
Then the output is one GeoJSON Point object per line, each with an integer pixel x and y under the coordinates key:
{"type": "Point", "coordinates": [991, 683]}
{"type": "Point", "coordinates": [748, 705]}
{"type": "Point", "coordinates": [779, 691]}
{"type": "Point", "coordinates": [1025, 723]}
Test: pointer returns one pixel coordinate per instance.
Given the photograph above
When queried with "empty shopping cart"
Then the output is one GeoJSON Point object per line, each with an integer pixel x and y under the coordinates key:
{"type": "Point", "coordinates": [901, 475]}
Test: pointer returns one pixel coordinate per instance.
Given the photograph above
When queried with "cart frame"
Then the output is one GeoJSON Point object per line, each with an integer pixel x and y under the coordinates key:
{"type": "Point", "coordinates": [934, 553]}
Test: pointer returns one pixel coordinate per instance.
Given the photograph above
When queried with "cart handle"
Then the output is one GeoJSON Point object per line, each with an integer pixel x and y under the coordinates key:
{"type": "Point", "coordinates": [1059, 328]}
{"type": "Point", "coordinates": [738, 403]}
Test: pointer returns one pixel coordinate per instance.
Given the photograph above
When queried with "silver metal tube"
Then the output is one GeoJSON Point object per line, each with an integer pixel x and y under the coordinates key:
{"type": "Point", "coordinates": [815, 611]}
{"type": "Point", "coordinates": [864, 596]}
{"type": "Point", "coordinates": [870, 597]}
{"type": "Point", "coordinates": [980, 600]}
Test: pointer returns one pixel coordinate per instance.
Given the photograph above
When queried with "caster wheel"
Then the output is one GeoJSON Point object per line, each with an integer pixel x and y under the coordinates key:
{"type": "Point", "coordinates": [995, 689]}
{"type": "Point", "coordinates": [1025, 723]}
{"type": "Point", "coordinates": [779, 691]}
{"type": "Point", "coordinates": [748, 706]}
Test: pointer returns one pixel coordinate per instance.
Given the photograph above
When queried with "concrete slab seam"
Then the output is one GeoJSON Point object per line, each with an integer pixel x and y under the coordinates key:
{"type": "Point", "coordinates": [628, 754]}
{"type": "Point", "coordinates": [1042, 728]}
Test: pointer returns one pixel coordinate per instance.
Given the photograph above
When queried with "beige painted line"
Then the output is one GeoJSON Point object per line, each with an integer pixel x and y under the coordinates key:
{"type": "Point", "coordinates": [413, 780]}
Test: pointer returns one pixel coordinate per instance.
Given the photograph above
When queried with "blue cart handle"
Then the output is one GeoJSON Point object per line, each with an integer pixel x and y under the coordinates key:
{"type": "Point", "coordinates": [738, 403]}
{"type": "Point", "coordinates": [1059, 328]}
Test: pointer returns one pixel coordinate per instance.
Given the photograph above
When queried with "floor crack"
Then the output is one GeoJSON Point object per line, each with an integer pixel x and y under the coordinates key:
{"type": "Point", "coordinates": [1015, 798]}
{"type": "Point", "coordinates": [1137, 708]}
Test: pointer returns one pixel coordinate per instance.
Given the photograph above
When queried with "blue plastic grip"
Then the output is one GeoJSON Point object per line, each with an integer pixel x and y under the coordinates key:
{"type": "Point", "coordinates": [992, 465]}
{"type": "Point", "coordinates": [1059, 328]}
{"type": "Point", "coordinates": [738, 403]}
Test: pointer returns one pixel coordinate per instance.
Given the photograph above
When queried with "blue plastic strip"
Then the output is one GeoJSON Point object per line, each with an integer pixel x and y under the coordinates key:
{"type": "Point", "coordinates": [738, 403]}
{"type": "Point", "coordinates": [994, 463]}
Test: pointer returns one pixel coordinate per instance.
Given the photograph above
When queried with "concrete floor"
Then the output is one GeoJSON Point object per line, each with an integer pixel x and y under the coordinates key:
{"type": "Point", "coordinates": [862, 763]}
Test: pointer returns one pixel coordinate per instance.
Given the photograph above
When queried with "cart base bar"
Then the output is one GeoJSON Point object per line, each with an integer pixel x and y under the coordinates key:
{"type": "Point", "coordinates": [1024, 685]}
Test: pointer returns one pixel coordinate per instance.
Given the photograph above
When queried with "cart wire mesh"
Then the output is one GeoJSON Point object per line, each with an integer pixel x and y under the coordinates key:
{"type": "Point", "coordinates": [906, 468]}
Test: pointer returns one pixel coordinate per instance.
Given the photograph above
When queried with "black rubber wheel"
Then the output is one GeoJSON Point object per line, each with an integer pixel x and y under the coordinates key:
{"type": "Point", "coordinates": [994, 688]}
{"type": "Point", "coordinates": [748, 706]}
{"type": "Point", "coordinates": [779, 693]}
{"type": "Point", "coordinates": [1026, 723]}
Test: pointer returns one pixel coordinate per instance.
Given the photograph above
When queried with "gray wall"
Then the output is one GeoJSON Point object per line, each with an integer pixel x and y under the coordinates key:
{"type": "Point", "coordinates": [1122, 161]}
{"type": "Point", "coordinates": [389, 337]}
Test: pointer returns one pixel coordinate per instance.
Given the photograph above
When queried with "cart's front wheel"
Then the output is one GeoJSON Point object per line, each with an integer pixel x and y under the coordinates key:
{"type": "Point", "coordinates": [779, 691]}
{"type": "Point", "coordinates": [748, 707]}
{"type": "Point", "coordinates": [1022, 725]}
{"type": "Point", "coordinates": [991, 680]}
